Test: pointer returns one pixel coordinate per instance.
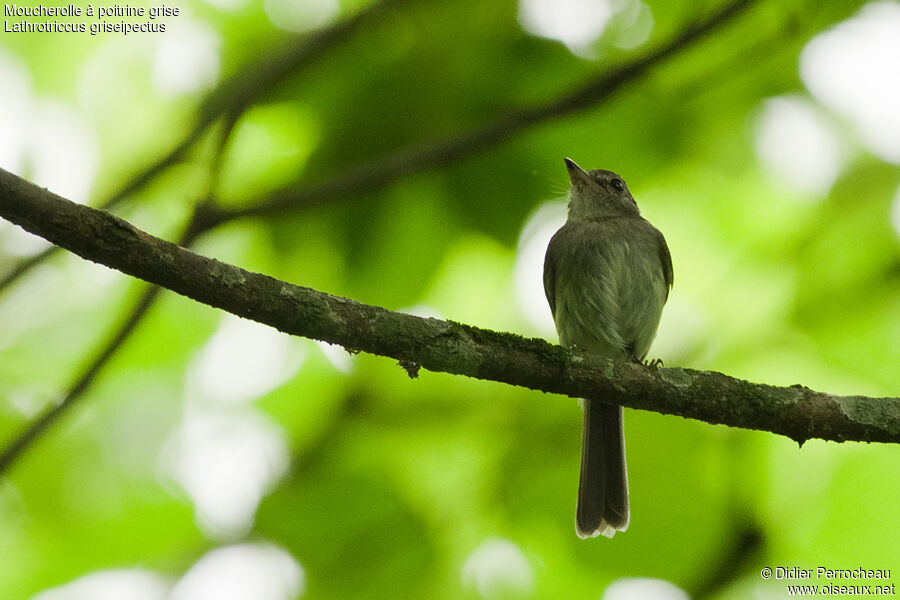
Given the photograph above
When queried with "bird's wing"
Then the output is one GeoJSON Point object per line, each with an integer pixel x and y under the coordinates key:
{"type": "Point", "coordinates": [665, 258]}
{"type": "Point", "coordinates": [551, 267]}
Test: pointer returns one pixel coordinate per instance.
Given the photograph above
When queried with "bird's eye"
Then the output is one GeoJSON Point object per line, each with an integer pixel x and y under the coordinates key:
{"type": "Point", "coordinates": [618, 185]}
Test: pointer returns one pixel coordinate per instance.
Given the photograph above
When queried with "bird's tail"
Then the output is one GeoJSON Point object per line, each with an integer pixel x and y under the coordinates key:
{"type": "Point", "coordinates": [603, 488]}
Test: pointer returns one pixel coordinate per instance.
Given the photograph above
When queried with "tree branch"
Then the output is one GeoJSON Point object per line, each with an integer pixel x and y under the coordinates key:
{"type": "Point", "coordinates": [130, 187]}
{"type": "Point", "coordinates": [796, 412]}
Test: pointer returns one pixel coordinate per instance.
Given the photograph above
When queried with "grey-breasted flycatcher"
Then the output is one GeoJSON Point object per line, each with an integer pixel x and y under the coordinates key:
{"type": "Point", "coordinates": [607, 275]}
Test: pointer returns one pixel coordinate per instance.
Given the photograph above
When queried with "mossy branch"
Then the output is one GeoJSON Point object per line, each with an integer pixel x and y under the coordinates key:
{"type": "Point", "coordinates": [446, 346]}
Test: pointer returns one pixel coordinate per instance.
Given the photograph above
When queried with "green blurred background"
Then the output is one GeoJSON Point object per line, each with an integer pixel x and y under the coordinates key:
{"type": "Point", "coordinates": [216, 458]}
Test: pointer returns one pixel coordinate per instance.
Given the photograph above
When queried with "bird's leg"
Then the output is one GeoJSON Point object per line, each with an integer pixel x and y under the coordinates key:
{"type": "Point", "coordinates": [653, 362]}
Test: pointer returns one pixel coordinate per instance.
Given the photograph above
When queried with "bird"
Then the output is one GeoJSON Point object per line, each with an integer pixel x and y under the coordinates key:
{"type": "Point", "coordinates": [607, 275]}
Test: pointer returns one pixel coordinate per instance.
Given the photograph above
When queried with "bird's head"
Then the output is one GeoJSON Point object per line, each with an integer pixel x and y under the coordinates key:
{"type": "Point", "coordinates": [598, 194]}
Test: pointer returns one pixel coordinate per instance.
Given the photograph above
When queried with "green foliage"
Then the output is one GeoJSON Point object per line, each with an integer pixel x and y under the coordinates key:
{"type": "Point", "coordinates": [393, 484]}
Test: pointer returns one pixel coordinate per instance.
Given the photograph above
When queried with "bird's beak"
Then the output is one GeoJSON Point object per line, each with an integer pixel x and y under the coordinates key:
{"type": "Point", "coordinates": [576, 173]}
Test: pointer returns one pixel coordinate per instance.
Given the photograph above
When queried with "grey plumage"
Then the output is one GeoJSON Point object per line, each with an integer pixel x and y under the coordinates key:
{"type": "Point", "coordinates": [607, 275]}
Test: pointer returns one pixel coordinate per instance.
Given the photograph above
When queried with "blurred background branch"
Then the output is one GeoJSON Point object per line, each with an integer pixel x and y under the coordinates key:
{"type": "Point", "coordinates": [420, 157]}
{"type": "Point", "coordinates": [108, 348]}
{"type": "Point", "coordinates": [230, 100]}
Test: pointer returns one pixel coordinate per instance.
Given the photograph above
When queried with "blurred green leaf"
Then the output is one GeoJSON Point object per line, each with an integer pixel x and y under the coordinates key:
{"type": "Point", "coordinates": [404, 488]}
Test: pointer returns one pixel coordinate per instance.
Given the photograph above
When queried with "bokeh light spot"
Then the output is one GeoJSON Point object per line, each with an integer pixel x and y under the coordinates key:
{"type": "Point", "coordinates": [134, 584]}
{"type": "Point", "coordinates": [242, 361]}
{"type": "Point", "coordinates": [300, 17]}
{"type": "Point", "coordinates": [641, 588]}
{"type": "Point", "coordinates": [499, 569]}
{"type": "Point", "coordinates": [226, 461]}
{"type": "Point", "coordinates": [797, 145]}
{"type": "Point", "coordinates": [852, 69]}
{"type": "Point", "coordinates": [15, 94]}
{"type": "Point", "coordinates": [239, 572]}
{"type": "Point", "coordinates": [529, 284]}
{"type": "Point", "coordinates": [187, 58]}
{"type": "Point", "coordinates": [580, 23]}
{"type": "Point", "coordinates": [576, 23]}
